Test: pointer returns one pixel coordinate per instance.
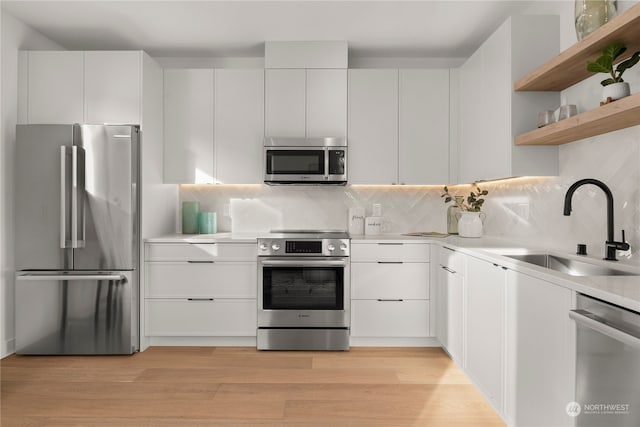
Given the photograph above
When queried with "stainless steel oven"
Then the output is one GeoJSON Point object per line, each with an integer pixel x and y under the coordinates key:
{"type": "Point", "coordinates": [304, 293]}
{"type": "Point", "coordinates": [305, 161]}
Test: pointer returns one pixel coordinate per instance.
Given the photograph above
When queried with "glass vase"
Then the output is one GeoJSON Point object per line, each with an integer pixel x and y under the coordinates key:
{"type": "Point", "coordinates": [592, 14]}
{"type": "Point", "coordinates": [452, 219]}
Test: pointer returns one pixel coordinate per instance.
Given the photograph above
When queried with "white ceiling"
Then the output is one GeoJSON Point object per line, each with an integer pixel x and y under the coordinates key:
{"type": "Point", "coordinates": [432, 29]}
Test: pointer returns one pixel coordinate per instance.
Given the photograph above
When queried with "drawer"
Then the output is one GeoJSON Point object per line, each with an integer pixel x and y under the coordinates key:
{"type": "Point", "coordinates": [451, 259]}
{"type": "Point", "coordinates": [405, 280]}
{"type": "Point", "coordinates": [201, 251]}
{"type": "Point", "coordinates": [216, 280]}
{"type": "Point", "coordinates": [407, 252]}
{"type": "Point", "coordinates": [181, 317]}
{"type": "Point", "coordinates": [402, 319]}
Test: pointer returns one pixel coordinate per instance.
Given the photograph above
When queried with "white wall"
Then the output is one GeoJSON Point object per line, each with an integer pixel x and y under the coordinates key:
{"type": "Point", "coordinates": [15, 35]}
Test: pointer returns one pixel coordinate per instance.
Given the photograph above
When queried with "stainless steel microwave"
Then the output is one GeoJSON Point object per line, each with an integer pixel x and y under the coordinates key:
{"type": "Point", "coordinates": [305, 161]}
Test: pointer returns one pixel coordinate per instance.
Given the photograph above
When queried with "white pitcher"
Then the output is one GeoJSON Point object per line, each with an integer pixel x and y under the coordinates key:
{"type": "Point", "coordinates": [470, 223]}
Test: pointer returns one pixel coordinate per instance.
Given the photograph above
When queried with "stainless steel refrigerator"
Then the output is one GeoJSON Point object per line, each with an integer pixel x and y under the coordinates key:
{"type": "Point", "coordinates": [77, 239]}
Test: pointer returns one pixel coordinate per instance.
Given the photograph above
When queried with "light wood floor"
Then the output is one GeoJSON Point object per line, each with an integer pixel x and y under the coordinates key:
{"type": "Point", "coordinates": [209, 386]}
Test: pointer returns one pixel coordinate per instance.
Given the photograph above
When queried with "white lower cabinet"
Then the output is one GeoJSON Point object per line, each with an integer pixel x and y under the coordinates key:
{"type": "Point", "coordinates": [449, 299]}
{"type": "Point", "coordinates": [540, 352]}
{"type": "Point", "coordinates": [200, 290]}
{"type": "Point", "coordinates": [184, 279]}
{"type": "Point", "coordinates": [201, 317]}
{"type": "Point", "coordinates": [390, 292]}
{"type": "Point", "coordinates": [512, 336]}
{"type": "Point", "coordinates": [484, 327]}
{"type": "Point", "coordinates": [390, 318]}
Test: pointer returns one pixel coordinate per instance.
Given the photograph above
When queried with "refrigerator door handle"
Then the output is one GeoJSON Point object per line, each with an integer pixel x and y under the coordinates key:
{"type": "Point", "coordinates": [76, 204]}
{"type": "Point", "coordinates": [63, 197]}
{"type": "Point", "coordinates": [70, 277]}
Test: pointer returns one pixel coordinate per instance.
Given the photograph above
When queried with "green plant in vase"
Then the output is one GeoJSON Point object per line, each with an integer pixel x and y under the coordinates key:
{"type": "Point", "coordinates": [474, 200]}
{"type": "Point", "coordinates": [614, 87]}
{"type": "Point", "coordinates": [472, 205]}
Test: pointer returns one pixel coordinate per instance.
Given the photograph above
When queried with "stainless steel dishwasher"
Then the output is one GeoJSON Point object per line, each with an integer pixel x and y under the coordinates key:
{"type": "Point", "coordinates": [608, 364]}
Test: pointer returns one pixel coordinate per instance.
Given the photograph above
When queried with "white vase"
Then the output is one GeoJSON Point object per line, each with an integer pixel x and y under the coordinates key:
{"type": "Point", "coordinates": [470, 224]}
{"type": "Point", "coordinates": [615, 91]}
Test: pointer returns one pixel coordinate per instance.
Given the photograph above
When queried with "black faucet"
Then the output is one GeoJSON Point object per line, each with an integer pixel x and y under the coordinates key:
{"type": "Point", "coordinates": [611, 246]}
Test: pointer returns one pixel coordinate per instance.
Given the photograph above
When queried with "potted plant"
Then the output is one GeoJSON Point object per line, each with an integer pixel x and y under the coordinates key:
{"type": "Point", "coordinates": [614, 87]}
{"type": "Point", "coordinates": [465, 216]}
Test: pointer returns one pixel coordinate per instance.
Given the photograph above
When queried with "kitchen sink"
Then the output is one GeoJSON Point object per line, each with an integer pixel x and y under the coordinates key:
{"type": "Point", "coordinates": [570, 266]}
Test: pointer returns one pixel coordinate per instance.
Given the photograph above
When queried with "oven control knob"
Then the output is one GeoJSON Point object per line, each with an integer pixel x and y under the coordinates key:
{"type": "Point", "coordinates": [331, 247]}
{"type": "Point", "coordinates": [275, 246]}
{"type": "Point", "coordinates": [343, 246]}
{"type": "Point", "coordinates": [263, 246]}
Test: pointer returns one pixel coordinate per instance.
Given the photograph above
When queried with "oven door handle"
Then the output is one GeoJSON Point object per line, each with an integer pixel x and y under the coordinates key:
{"type": "Point", "coordinates": [303, 263]}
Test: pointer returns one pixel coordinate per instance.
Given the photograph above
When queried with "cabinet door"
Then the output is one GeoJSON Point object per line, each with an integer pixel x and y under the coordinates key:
{"type": "Point", "coordinates": [390, 251]}
{"type": "Point", "coordinates": [285, 102]}
{"type": "Point", "coordinates": [112, 87]}
{"type": "Point", "coordinates": [55, 87]}
{"type": "Point", "coordinates": [373, 126]}
{"type": "Point", "coordinates": [201, 280]}
{"type": "Point", "coordinates": [326, 103]}
{"type": "Point", "coordinates": [395, 280]}
{"type": "Point", "coordinates": [450, 303]}
{"type": "Point", "coordinates": [540, 352]}
{"type": "Point", "coordinates": [485, 327]}
{"type": "Point", "coordinates": [493, 160]}
{"type": "Point", "coordinates": [201, 317]}
{"type": "Point", "coordinates": [401, 319]}
{"type": "Point", "coordinates": [423, 134]}
{"type": "Point", "coordinates": [239, 126]}
{"type": "Point", "coordinates": [188, 126]}
{"type": "Point", "coordinates": [472, 121]}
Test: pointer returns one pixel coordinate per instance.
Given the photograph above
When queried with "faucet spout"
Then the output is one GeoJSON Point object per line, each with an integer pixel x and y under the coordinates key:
{"type": "Point", "coordinates": [611, 246]}
{"type": "Point", "coordinates": [607, 192]}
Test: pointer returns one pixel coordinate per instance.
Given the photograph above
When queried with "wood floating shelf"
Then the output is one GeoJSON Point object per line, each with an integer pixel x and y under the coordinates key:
{"type": "Point", "coordinates": [570, 66]}
{"type": "Point", "coordinates": [619, 114]}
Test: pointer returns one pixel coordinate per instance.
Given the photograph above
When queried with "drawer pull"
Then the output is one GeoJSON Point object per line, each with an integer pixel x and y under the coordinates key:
{"type": "Point", "coordinates": [390, 262]}
{"type": "Point", "coordinates": [390, 244]}
{"type": "Point", "coordinates": [200, 299]}
{"type": "Point", "coordinates": [448, 269]}
{"type": "Point", "coordinates": [390, 300]}
{"type": "Point", "coordinates": [201, 262]}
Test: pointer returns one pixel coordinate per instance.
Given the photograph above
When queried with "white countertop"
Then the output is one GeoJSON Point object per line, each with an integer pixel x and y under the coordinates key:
{"type": "Point", "coordinates": [620, 290]}
{"type": "Point", "coordinates": [205, 238]}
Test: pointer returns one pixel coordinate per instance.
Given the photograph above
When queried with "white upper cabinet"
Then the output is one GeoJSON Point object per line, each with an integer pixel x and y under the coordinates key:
{"type": "Point", "coordinates": [188, 126]}
{"type": "Point", "coordinates": [113, 86]}
{"type": "Point", "coordinates": [491, 113]}
{"type": "Point", "coordinates": [373, 126]}
{"type": "Point", "coordinates": [55, 87]}
{"type": "Point", "coordinates": [84, 87]}
{"type": "Point", "coordinates": [326, 103]}
{"type": "Point", "coordinates": [423, 129]}
{"type": "Point", "coordinates": [398, 126]}
{"type": "Point", "coordinates": [285, 101]}
{"type": "Point", "coordinates": [305, 103]}
{"type": "Point", "coordinates": [239, 126]}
